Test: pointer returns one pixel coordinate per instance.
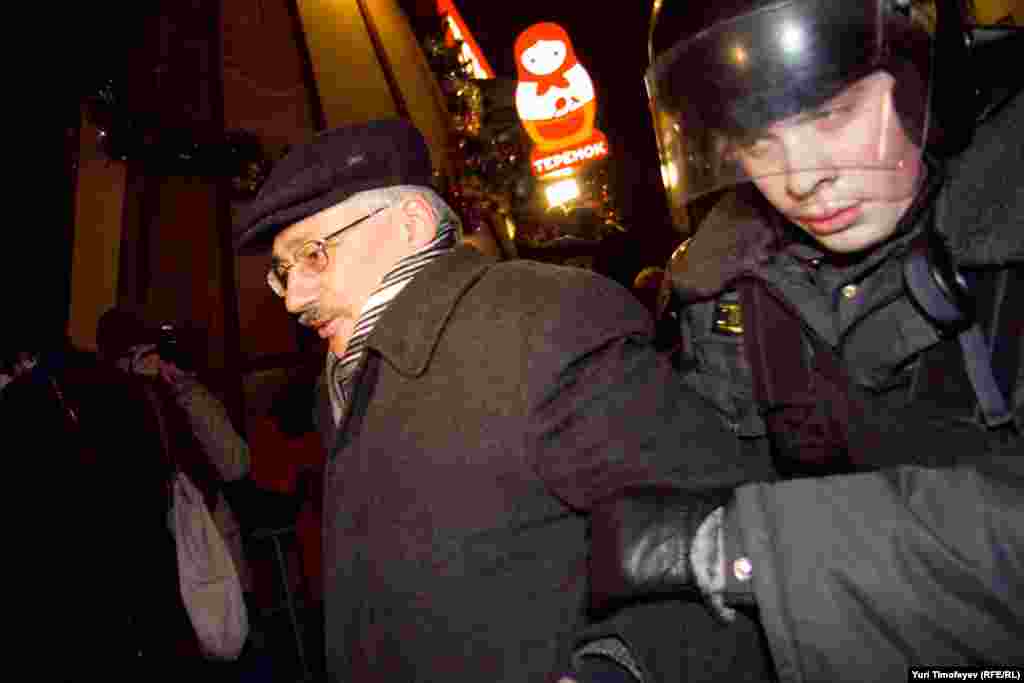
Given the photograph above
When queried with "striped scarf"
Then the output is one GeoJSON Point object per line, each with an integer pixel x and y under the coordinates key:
{"type": "Point", "coordinates": [341, 371]}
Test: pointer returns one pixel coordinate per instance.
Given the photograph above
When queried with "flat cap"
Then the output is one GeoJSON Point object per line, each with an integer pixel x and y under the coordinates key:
{"type": "Point", "coordinates": [333, 166]}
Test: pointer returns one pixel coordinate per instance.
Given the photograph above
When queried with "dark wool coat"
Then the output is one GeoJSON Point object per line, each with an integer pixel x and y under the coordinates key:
{"type": "Point", "coordinates": [496, 403]}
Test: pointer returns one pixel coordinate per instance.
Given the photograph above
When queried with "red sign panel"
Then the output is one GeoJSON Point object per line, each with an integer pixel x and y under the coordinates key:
{"type": "Point", "coordinates": [555, 101]}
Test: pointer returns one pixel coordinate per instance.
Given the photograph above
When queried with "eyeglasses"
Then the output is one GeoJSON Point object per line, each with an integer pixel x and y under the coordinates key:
{"type": "Point", "coordinates": [310, 259]}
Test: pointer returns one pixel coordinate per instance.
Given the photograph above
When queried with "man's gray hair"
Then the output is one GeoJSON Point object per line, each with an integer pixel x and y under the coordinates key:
{"type": "Point", "coordinates": [371, 200]}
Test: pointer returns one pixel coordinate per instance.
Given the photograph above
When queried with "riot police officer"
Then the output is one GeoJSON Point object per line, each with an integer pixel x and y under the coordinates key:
{"type": "Point", "coordinates": [851, 306]}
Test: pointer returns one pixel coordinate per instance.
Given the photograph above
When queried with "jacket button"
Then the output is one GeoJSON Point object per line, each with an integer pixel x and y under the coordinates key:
{"type": "Point", "coordinates": [849, 291]}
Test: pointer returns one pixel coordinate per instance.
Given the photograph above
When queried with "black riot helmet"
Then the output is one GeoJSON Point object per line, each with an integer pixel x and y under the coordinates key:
{"type": "Point", "coordinates": [723, 73]}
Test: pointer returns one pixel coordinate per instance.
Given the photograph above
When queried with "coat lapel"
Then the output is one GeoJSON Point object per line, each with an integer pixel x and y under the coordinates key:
{"type": "Point", "coordinates": [406, 335]}
{"type": "Point", "coordinates": [408, 331]}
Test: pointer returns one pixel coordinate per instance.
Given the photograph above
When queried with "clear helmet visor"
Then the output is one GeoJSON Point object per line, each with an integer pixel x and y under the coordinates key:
{"type": "Point", "coordinates": [799, 97]}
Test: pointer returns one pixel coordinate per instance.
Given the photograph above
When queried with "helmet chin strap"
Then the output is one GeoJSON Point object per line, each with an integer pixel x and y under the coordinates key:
{"type": "Point", "coordinates": [943, 295]}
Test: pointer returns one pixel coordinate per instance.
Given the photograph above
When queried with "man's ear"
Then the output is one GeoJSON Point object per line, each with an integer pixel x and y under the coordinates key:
{"type": "Point", "coordinates": [418, 220]}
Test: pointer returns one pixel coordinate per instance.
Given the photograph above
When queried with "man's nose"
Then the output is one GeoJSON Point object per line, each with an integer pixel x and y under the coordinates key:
{"type": "Point", "coordinates": [808, 165]}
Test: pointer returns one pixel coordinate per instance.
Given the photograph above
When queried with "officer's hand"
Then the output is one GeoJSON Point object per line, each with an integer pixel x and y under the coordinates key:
{"type": "Point", "coordinates": [644, 543]}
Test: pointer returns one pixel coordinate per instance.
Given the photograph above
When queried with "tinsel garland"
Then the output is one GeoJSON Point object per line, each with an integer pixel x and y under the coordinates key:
{"type": "Point", "coordinates": [124, 135]}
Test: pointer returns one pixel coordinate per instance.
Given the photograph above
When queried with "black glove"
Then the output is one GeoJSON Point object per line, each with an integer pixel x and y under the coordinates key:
{"type": "Point", "coordinates": [657, 542]}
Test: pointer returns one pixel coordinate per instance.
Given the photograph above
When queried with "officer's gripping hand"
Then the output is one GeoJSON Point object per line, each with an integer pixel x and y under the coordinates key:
{"type": "Point", "coordinates": [658, 541]}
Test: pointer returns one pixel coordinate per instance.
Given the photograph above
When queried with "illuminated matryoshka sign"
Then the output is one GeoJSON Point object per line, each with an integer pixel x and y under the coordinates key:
{"type": "Point", "coordinates": [555, 101]}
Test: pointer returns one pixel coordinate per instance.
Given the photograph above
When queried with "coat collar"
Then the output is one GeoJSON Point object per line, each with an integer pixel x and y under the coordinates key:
{"type": "Point", "coordinates": [742, 235]}
{"type": "Point", "coordinates": [409, 329]}
{"type": "Point", "coordinates": [734, 239]}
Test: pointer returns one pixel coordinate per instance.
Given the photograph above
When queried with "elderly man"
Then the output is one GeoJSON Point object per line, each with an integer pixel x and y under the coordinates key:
{"type": "Point", "coordinates": [472, 410]}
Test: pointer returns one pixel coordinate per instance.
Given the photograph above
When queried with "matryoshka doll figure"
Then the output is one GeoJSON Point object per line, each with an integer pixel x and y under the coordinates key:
{"type": "Point", "coordinates": [554, 95]}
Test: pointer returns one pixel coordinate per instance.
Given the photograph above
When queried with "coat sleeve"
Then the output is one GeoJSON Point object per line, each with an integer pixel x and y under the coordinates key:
{"type": "Point", "coordinates": [606, 411]}
{"type": "Point", "coordinates": [859, 577]}
{"type": "Point", "coordinates": [208, 417]}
